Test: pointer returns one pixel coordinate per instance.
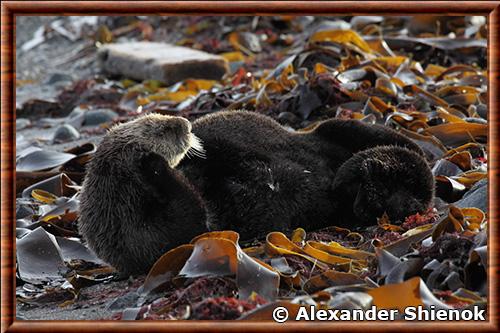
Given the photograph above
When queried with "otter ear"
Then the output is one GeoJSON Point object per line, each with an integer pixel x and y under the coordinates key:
{"type": "Point", "coordinates": [373, 166]}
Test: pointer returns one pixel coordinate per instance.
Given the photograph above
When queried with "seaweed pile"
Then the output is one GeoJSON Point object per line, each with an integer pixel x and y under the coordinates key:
{"type": "Point", "coordinates": [423, 76]}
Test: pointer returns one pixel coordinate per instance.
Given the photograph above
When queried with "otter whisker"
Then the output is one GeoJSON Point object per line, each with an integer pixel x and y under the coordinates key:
{"type": "Point", "coordinates": [196, 148]}
{"type": "Point", "coordinates": [189, 154]}
{"type": "Point", "coordinates": [197, 143]}
{"type": "Point", "coordinates": [197, 154]}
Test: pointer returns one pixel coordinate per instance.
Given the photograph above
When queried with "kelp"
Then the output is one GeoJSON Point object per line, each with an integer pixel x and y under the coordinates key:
{"type": "Point", "coordinates": [423, 76]}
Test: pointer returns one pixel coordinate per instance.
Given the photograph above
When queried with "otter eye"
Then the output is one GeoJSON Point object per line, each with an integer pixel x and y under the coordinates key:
{"type": "Point", "coordinates": [168, 128]}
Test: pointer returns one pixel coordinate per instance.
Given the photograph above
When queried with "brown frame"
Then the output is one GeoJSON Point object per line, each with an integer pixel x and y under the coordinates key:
{"type": "Point", "coordinates": [9, 9]}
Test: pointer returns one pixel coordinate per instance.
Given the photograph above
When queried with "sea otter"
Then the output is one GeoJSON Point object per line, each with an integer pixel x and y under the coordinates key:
{"type": "Point", "coordinates": [123, 216]}
{"type": "Point", "coordinates": [151, 185]}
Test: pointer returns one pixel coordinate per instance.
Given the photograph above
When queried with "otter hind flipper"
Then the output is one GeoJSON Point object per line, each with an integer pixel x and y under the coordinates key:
{"type": "Point", "coordinates": [356, 135]}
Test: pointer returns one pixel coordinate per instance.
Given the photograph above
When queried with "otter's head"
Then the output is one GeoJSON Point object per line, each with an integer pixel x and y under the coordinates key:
{"type": "Point", "coordinates": [167, 136]}
{"type": "Point", "coordinates": [385, 179]}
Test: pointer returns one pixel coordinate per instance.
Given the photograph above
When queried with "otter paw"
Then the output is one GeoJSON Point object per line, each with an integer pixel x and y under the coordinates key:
{"type": "Point", "coordinates": [154, 170]}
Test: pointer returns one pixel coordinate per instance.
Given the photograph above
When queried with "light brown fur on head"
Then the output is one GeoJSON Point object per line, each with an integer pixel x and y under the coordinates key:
{"type": "Point", "coordinates": [167, 136]}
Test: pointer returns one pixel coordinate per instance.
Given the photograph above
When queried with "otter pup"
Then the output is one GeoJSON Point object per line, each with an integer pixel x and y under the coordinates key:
{"type": "Point", "coordinates": [151, 186]}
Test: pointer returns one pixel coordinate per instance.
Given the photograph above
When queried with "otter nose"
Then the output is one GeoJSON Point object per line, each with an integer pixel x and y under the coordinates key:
{"type": "Point", "coordinates": [401, 205]}
{"type": "Point", "coordinates": [184, 125]}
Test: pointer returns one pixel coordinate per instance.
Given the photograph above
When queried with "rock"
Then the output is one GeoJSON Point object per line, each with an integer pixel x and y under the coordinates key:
{"type": "Point", "coordinates": [477, 196]}
{"type": "Point", "coordinates": [160, 61]}
{"type": "Point", "coordinates": [445, 168]}
{"type": "Point", "coordinates": [482, 111]}
{"type": "Point", "coordinates": [97, 117]}
{"type": "Point", "coordinates": [65, 133]}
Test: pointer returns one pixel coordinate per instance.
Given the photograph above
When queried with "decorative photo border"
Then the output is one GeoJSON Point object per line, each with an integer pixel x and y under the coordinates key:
{"type": "Point", "coordinates": [11, 9]}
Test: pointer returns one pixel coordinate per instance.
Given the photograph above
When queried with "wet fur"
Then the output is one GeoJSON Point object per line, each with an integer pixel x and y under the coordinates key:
{"type": "Point", "coordinates": [252, 176]}
{"type": "Point", "coordinates": [135, 205]}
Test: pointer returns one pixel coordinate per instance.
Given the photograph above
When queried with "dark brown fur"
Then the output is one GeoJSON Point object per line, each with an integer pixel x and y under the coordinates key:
{"type": "Point", "coordinates": [256, 177]}
{"type": "Point", "coordinates": [135, 205]}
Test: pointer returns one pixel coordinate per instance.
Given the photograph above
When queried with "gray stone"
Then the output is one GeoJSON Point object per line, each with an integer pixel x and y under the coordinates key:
{"type": "Point", "coordinates": [100, 116]}
{"type": "Point", "coordinates": [482, 110]}
{"type": "Point", "coordinates": [477, 196]}
{"type": "Point", "coordinates": [445, 168]}
{"type": "Point", "coordinates": [159, 61]}
{"type": "Point", "coordinates": [65, 133]}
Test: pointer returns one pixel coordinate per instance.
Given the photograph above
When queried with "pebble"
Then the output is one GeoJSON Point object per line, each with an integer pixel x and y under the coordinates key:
{"type": "Point", "coordinates": [477, 196]}
{"type": "Point", "coordinates": [100, 116]}
{"type": "Point", "coordinates": [65, 133]}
